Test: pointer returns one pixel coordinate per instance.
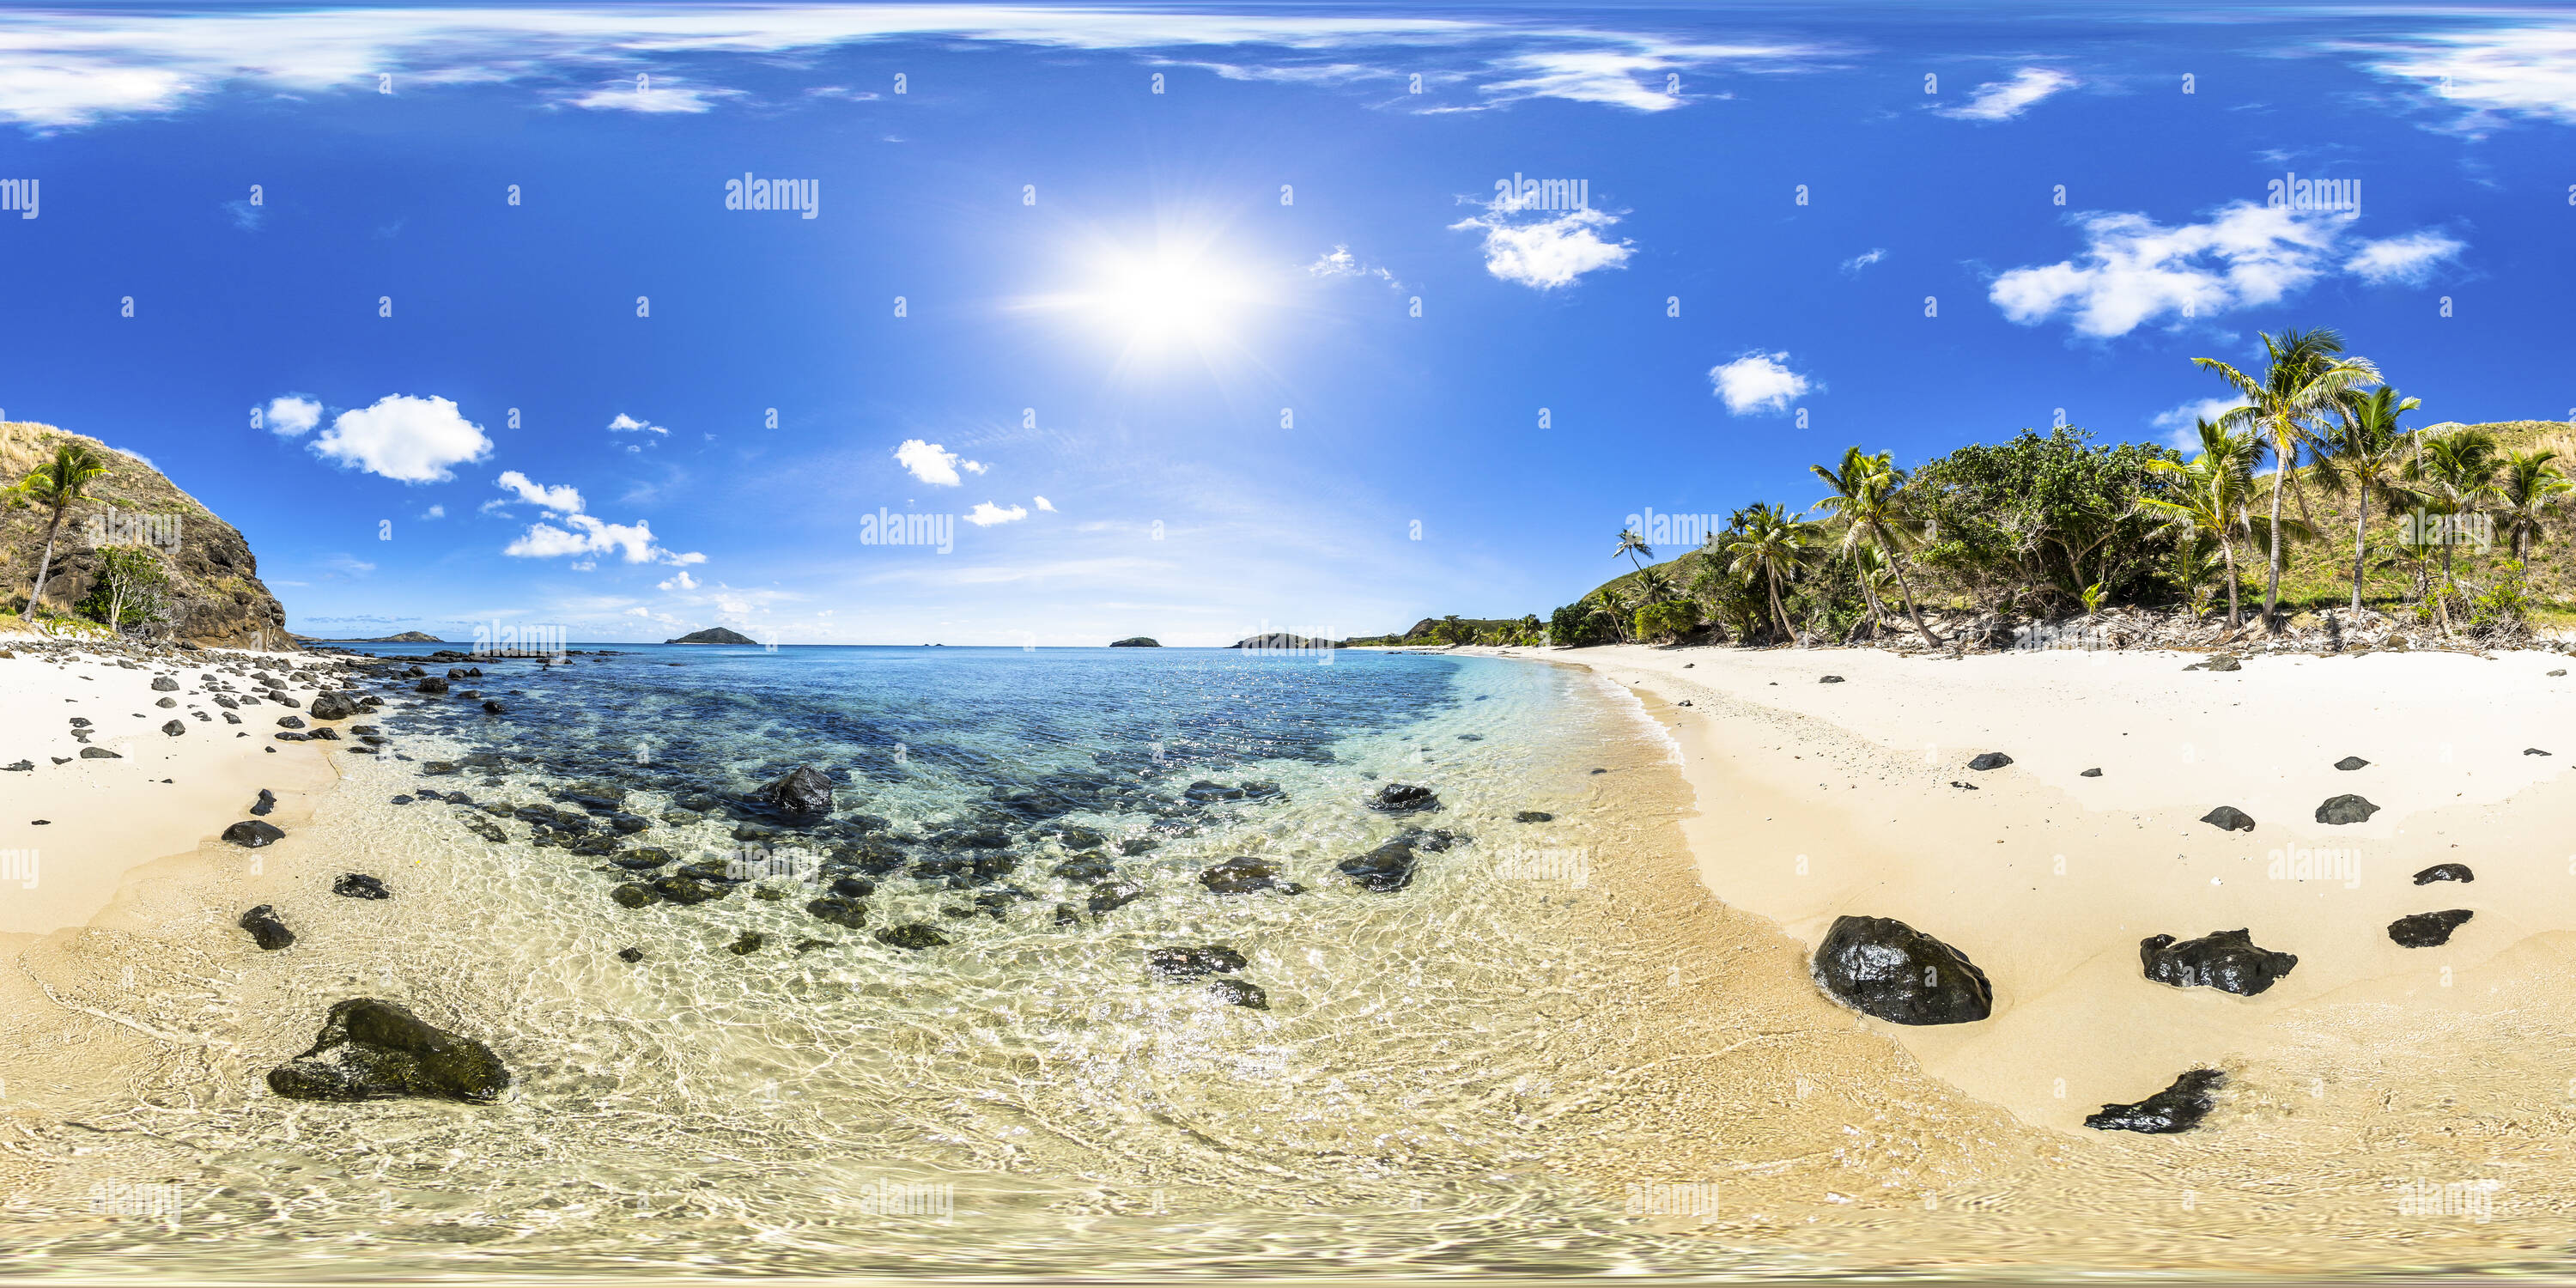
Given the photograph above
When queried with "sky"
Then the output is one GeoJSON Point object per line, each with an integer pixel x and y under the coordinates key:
{"type": "Point", "coordinates": [1051, 326]}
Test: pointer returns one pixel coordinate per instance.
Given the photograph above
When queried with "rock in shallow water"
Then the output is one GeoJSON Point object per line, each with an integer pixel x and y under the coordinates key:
{"type": "Point", "coordinates": [252, 834]}
{"type": "Point", "coordinates": [265, 929]}
{"type": "Point", "coordinates": [1388, 867]}
{"type": "Point", "coordinates": [372, 1050]}
{"type": "Point", "coordinates": [1883, 967]}
{"type": "Point", "coordinates": [1188, 962]}
{"type": "Point", "coordinates": [849, 913]}
{"type": "Point", "coordinates": [2179, 1107]}
{"type": "Point", "coordinates": [2226, 960]}
{"type": "Point", "coordinates": [1240, 992]}
{"type": "Point", "coordinates": [2428, 929]}
{"type": "Point", "coordinates": [802, 793]}
{"type": "Point", "coordinates": [1403, 798]}
{"type": "Point", "coordinates": [1533, 816]}
{"type": "Point", "coordinates": [1245, 874]}
{"type": "Point", "coordinates": [358, 885]}
{"type": "Point", "coordinates": [912, 938]}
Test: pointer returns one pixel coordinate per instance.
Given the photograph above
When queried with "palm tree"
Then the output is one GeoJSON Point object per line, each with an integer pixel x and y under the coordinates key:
{"type": "Point", "coordinates": [1865, 500]}
{"type": "Point", "coordinates": [1653, 587]}
{"type": "Point", "coordinates": [1769, 544]}
{"type": "Point", "coordinates": [2208, 497]}
{"type": "Point", "coordinates": [2366, 456]}
{"type": "Point", "coordinates": [1632, 544]}
{"type": "Point", "coordinates": [2530, 487]}
{"type": "Point", "coordinates": [2456, 477]}
{"type": "Point", "coordinates": [2305, 377]}
{"type": "Point", "coordinates": [56, 484]}
{"type": "Point", "coordinates": [1605, 604]}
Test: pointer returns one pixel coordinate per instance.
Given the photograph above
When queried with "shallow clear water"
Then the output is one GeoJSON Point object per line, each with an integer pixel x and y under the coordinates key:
{"type": "Point", "coordinates": [1028, 1099]}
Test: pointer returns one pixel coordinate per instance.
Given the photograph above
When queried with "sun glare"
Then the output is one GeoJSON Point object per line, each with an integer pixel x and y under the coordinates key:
{"type": "Point", "coordinates": [1163, 298]}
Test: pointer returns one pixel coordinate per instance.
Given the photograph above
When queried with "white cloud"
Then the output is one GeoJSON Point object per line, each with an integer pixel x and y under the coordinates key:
{"type": "Point", "coordinates": [625, 424]}
{"type": "Point", "coordinates": [407, 439]}
{"type": "Point", "coordinates": [2004, 100]}
{"type": "Point", "coordinates": [2134, 271]}
{"type": "Point", "coordinates": [2407, 259]}
{"type": "Point", "coordinates": [2484, 73]}
{"type": "Point", "coordinates": [1546, 253]}
{"type": "Point", "coordinates": [66, 68]}
{"type": "Point", "coordinates": [1340, 262]}
{"type": "Point", "coordinates": [680, 580]}
{"type": "Point", "coordinates": [2182, 423]}
{"type": "Point", "coordinates": [654, 96]}
{"type": "Point", "coordinates": [986, 514]}
{"type": "Point", "coordinates": [934, 464]}
{"type": "Point", "coordinates": [1045, 504]}
{"type": "Point", "coordinates": [562, 499]}
{"type": "Point", "coordinates": [1856, 263]}
{"type": "Point", "coordinates": [1758, 382]}
{"type": "Point", "coordinates": [292, 415]}
{"type": "Point", "coordinates": [434, 512]}
{"type": "Point", "coordinates": [348, 565]}
{"type": "Point", "coordinates": [135, 456]}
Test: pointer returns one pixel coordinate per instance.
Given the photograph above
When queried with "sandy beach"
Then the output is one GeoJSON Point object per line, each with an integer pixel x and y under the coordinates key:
{"type": "Point", "coordinates": [1815, 800]}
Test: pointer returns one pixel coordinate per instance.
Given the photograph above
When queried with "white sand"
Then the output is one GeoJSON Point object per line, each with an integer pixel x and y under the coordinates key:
{"type": "Point", "coordinates": [105, 819]}
{"type": "Point", "coordinates": [1816, 800]}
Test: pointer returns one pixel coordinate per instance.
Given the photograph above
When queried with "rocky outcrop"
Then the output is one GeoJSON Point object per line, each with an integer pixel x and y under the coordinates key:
{"type": "Point", "coordinates": [1883, 967]}
{"type": "Point", "coordinates": [216, 597]}
{"type": "Point", "coordinates": [372, 1050]}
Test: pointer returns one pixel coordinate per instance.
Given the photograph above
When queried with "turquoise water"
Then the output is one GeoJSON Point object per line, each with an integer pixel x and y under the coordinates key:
{"type": "Point", "coordinates": [1029, 1097]}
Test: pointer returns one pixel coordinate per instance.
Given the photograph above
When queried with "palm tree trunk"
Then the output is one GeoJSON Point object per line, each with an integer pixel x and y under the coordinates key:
{"type": "Point", "coordinates": [2281, 452]}
{"type": "Point", "coordinates": [1778, 614]}
{"type": "Point", "coordinates": [2228, 548]}
{"type": "Point", "coordinates": [1897, 564]}
{"type": "Point", "coordinates": [44, 566]}
{"type": "Point", "coordinates": [2360, 524]}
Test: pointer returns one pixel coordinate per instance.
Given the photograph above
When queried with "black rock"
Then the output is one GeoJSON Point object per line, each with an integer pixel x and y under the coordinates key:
{"type": "Point", "coordinates": [252, 834]}
{"type": "Point", "coordinates": [2350, 763]}
{"type": "Point", "coordinates": [1883, 967]}
{"type": "Point", "coordinates": [1403, 798]}
{"type": "Point", "coordinates": [1244, 874]}
{"type": "Point", "coordinates": [644, 860]}
{"type": "Point", "coordinates": [2179, 1107]}
{"type": "Point", "coordinates": [1533, 816]}
{"type": "Point", "coordinates": [1829, 679]}
{"type": "Point", "coordinates": [1990, 760]}
{"type": "Point", "coordinates": [372, 1050]}
{"type": "Point", "coordinates": [2533, 751]}
{"type": "Point", "coordinates": [2229, 818]}
{"type": "Point", "coordinates": [336, 706]}
{"type": "Point", "coordinates": [21, 767]}
{"type": "Point", "coordinates": [912, 938]}
{"type": "Point", "coordinates": [2090, 773]}
{"type": "Point", "coordinates": [432, 685]}
{"type": "Point", "coordinates": [1191, 963]}
{"type": "Point", "coordinates": [265, 929]}
{"type": "Point", "coordinates": [630, 954]}
{"type": "Point", "coordinates": [1081, 838]}
{"type": "Point", "coordinates": [1139, 845]}
{"type": "Point", "coordinates": [1115, 894]}
{"type": "Point", "coordinates": [267, 801]}
{"type": "Point", "coordinates": [98, 753]}
{"type": "Point", "coordinates": [2226, 960]}
{"type": "Point", "coordinates": [2346, 809]}
{"type": "Point", "coordinates": [1388, 867]}
{"type": "Point", "coordinates": [358, 885]}
{"type": "Point", "coordinates": [2445, 872]}
{"type": "Point", "coordinates": [494, 708]}
{"type": "Point", "coordinates": [632, 895]}
{"type": "Point", "coordinates": [435, 768]}
{"type": "Point", "coordinates": [840, 911]}
{"type": "Point", "coordinates": [1085, 869]}
{"type": "Point", "coordinates": [747, 943]}
{"type": "Point", "coordinates": [1240, 992]}
{"type": "Point", "coordinates": [685, 890]}
{"type": "Point", "coordinates": [2428, 929]}
{"type": "Point", "coordinates": [802, 793]}
{"type": "Point", "coordinates": [164, 684]}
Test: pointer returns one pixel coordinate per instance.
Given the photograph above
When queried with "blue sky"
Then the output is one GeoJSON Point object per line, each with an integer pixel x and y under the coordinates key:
{"type": "Point", "coordinates": [1264, 350]}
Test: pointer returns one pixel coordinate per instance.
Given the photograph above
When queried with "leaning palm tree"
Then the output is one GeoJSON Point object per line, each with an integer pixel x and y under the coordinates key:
{"type": "Point", "coordinates": [2209, 498]}
{"type": "Point", "coordinates": [1606, 605]}
{"type": "Point", "coordinates": [1632, 544]}
{"type": "Point", "coordinates": [1866, 501]}
{"type": "Point", "coordinates": [57, 485]}
{"type": "Point", "coordinates": [1771, 544]}
{"type": "Point", "coordinates": [1653, 587]}
{"type": "Point", "coordinates": [2455, 479]}
{"type": "Point", "coordinates": [2305, 375]}
{"type": "Point", "coordinates": [2528, 489]}
{"type": "Point", "coordinates": [2366, 455]}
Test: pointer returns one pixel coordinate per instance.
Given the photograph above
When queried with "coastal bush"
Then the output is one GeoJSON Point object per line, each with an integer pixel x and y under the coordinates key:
{"type": "Point", "coordinates": [131, 587]}
{"type": "Point", "coordinates": [1667, 621]}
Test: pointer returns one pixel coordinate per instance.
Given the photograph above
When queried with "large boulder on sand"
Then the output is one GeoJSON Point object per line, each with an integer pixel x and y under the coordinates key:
{"type": "Point", "coordinates": [2346, 809]}
{"type": "Point", "coordinates": [2428, 929]}
{"type": "Point", "coordinates": [2226, 960]}
{"type": "Point", "coordinates": [2229, 818]}
{"type": "Point", "coordinates": [1883, 967]}
{"type": "Point", "coordinates": [371, 1050]}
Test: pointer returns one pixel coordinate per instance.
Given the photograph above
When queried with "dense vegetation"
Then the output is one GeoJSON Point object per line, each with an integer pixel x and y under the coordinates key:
{"type": "Point", "coordinates": [2438, 525]}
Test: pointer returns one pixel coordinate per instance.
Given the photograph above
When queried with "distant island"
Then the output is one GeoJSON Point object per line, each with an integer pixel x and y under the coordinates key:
{"type": "Point", "coordinates": [714, 635]}
{"type": "Point", "coordinates": [407, 637]}
{"type": "Point", "coordinates": [1136, 642]}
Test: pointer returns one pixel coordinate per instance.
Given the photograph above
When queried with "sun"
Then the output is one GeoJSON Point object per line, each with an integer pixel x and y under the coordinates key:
{"type": "Point", "coordinates": [1166, 296]}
